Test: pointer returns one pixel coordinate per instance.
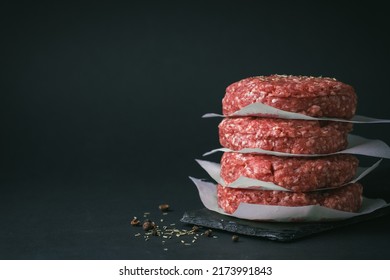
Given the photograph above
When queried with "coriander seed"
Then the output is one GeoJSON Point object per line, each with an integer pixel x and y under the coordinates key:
{"type": "Point", "coordinates": [135, 222]}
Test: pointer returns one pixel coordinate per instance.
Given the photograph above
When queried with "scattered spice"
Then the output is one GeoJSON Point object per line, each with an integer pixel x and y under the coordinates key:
{"type": "Point", "coordinates": [187, 236]}
{"type": "Point", "coordinates": [135, 222]}
{"type": "Point", "coordinates": [164, 207]}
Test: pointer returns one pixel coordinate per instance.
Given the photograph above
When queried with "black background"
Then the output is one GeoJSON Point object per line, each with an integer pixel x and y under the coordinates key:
{"type": "Point", "coordinates": [101, 110]}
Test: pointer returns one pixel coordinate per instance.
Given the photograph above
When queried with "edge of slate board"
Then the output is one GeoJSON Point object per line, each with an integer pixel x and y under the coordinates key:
{"type": "Point", "coordinates": [276, 231]}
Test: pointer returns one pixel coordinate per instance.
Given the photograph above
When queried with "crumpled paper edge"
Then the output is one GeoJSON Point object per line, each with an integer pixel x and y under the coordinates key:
{"type": "Point", "coordinates": [263, 110]}
{"type": "Point", "coordinates": [315, 213]}
{"type": "Point", "coordinates": [357, 145]}
{"type": "Point", "coordinates": [214, 170]}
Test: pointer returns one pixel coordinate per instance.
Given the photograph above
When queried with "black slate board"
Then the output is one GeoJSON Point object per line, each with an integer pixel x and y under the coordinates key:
{"type": "Point", "coordinates": [271, 230]}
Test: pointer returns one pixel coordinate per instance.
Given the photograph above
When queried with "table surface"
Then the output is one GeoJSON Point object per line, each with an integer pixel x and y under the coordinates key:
{"type": "Point", "coordinates": [92, 221]}
{"type": "Point", "coordinates": [101, 118]}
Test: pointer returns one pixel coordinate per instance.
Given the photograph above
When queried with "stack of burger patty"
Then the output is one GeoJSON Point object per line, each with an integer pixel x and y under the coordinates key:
{"type": "Point", "coordinates": [319, 180]}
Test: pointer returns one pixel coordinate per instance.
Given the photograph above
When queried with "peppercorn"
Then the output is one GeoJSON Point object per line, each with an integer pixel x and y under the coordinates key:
{"type": "Point", "coordinates": [164, 207]}
{"type": "Point", "coordinates": [235, 238]}
{"type": "Point", "coordinates": [195, 228]}
{"type": "Point", "coordinates": [148, 225]}
{"type": "Point", "coordinates": [208, 233]}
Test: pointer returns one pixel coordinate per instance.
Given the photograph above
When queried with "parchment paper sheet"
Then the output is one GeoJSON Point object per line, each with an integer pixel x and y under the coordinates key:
{"type": "Point", "coordinates": [357, 145]}
{"type": "Point", "coordinates": [208, 195]}
{"type": "Point", "coordinates": [263, 110]}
